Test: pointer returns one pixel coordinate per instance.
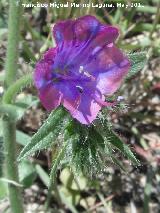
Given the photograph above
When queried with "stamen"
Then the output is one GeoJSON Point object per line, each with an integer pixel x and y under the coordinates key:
{"type": "Point", "coordinates": [85, 73]}
{"type": "Point", "coordinates": [80, 89]}
{"type": "Point", "coordinates": [81, 69]}
{"type": "Point", "coordinates": [89, 76]}
{"type": "Point", "coordinates": [103, 103]}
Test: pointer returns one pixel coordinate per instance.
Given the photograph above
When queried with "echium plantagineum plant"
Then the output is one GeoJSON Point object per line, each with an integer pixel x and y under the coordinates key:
{"type": "Point", "coordinates": [77, 78]}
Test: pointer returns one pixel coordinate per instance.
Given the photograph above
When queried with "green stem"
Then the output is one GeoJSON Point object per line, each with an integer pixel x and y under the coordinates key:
{"type": "Point", "coordinates": [53, 174]}
{"type": "Point", "coordinates": [9, 110]}
{"type": "Point", "coordinates": [9, 138]}
{"type": "Point", "coordinates": [16, 88]}
{"type": "Point", "coordinates": [9, 125]}
{"type": "Point", "coordinates": [13, 40]}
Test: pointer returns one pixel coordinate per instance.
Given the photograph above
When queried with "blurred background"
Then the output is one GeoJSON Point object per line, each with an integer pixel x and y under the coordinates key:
{"type": "Point", "coordinates": [138, 123]}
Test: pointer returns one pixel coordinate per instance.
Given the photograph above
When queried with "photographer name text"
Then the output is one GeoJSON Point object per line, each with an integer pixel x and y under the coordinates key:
{"type": "Point", "coordinates": [83, 5]}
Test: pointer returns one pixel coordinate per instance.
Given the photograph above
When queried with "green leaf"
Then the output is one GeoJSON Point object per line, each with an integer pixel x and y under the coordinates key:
{"type": "Point", "coordinates": [32, 147]}
{"type": "Point", "coordinates": [27, 173]}
{"type": "Point", "coordinates": [16, 111]}
{"type": "Point", "coordinates": [113, 139]}
{"type": "Point", "coordinates": [109, 152]}
{"type": "Point", "coordinates": [54, 119]}
{"type": "Point", "coordinates": [138, 61]}
{"type": "Point", "coordinates": [64, 194]}
{"type": "Point", "coordinates": [22, 138]}
{"type": "Point", "coordinates": [72, 182]}
{"type": "Point", "coordinates": [43, 175]}
{"type": "Point", "coordinates": [23, 103]}
{"type": "Point", "coordinates": [72, 196]}
{"type": "Point", "coordinates": [47, 134]}
{"type": "Point", "coordinates": [118, 163]}
{"type": "Point", "coordinates": [26, 101]}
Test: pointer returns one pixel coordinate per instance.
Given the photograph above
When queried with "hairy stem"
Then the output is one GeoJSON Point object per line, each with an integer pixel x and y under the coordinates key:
{"type": "Point", "coordinates": [13, 39]}
{"type": "Point", "coordinates": [9, 124]}
{"type": "Point", "coordinates": [9, 129]}
{"type": "Point", "coordinates": [9, 110]}
{"type": "Point", "coordinates": [16, 88]}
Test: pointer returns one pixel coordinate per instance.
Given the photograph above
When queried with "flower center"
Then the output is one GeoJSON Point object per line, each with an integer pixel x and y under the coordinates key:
{"type": "Point", "coordinates": [83, 75]}
{"type": "Point", "coordinates": [86, 74]}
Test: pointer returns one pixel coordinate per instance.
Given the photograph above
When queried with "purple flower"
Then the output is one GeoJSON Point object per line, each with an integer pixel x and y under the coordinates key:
{"type": "Point", "coordinates": [82, 69]}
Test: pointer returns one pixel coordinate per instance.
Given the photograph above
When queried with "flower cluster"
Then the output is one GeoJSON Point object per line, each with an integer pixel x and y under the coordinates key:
{"type": "Point", "coordinates": [83, 68]}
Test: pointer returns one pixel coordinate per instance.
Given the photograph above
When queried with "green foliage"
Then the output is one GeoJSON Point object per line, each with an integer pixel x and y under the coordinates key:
{"type": "Point", "coordinates": [138, 61]}
{"type": "Point", "coordinates": [72, 186]}
{"type": "Point", "coordinates": [47, 134]}
{"type": "Point", "coordinates": [90, 148]}
{"type": "Point", "coordinates": [42, 175]}
{"type": "Point", "coordinates": [27, 173]}
{"type": "Point", "coordinates": [22, 138]}
{"type": "Point", "coordinates": [111, 138]}
{"type": "Point", "coordinates": [17, 110]}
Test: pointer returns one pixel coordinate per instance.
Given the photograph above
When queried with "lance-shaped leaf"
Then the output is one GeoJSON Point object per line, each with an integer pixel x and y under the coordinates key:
{"type": "Point", "coordinates": [50, 123]}
{"type": "Point", "coordinates": [47, 133]}
{"type": "Point", "coordinates": [30, 149]}
{"type": "Point", "coordinates": [114, 139]}
{"type": "Point", "coordinates": [115, 160]}
{"type": "Point", "coordinates": [116, 142]}
{"type": "Point", "coordinates": [118, 163]}
{"type": "Point", "coordinates": [138, 61]}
